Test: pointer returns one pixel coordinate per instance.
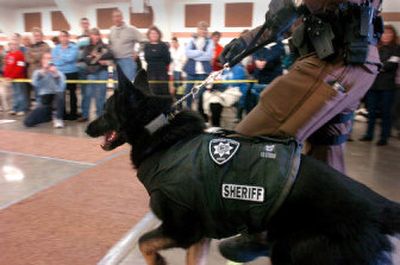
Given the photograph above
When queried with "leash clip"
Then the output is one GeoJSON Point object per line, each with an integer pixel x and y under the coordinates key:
{"type": "Point", "coordinates": [196, 89]}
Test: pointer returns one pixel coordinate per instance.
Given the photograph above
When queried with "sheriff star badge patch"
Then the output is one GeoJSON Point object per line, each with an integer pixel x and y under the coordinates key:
{"type": "Point", "coordinates": [222, 150]}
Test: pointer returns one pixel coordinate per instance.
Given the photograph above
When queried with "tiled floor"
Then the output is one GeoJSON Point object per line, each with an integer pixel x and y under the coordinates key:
{"type": "Point", "coordinates": [24, 173]}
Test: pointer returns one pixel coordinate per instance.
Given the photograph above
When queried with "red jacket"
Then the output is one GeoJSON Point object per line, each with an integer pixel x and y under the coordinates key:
{"type": "Point", "coordinates": [216, 64]}
{"type": "Point", "coordinates": [14, 66]}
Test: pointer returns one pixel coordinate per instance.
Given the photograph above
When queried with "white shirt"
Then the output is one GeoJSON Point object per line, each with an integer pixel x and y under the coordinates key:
{"type": "Point", "coordinates": [178, 59]}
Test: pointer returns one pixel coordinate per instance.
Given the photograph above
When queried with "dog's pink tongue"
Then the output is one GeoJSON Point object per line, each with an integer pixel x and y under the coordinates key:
{"type": "Point", "coordinates": [108, 139]}
{"type": "Point", "coordinates": [111, 136]}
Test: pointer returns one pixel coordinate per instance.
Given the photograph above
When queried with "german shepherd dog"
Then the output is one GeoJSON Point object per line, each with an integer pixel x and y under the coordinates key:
{"type": "Point", "coordinates": [327, 218]}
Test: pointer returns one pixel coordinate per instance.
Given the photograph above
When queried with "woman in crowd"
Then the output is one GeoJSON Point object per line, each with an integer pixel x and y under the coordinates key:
{"type": "Point", "coordinates": [65, 56]}
{"type": "Point", "coordinates": [380, 97]}
{"type": "Point", "coordinates": [98, 57]}
{"type": "Point", "coordinates": [178, 57]}
{"type": "Point", "coordinates": [50, 84]}
{"type": "Point", "coordinates": [157, 57]}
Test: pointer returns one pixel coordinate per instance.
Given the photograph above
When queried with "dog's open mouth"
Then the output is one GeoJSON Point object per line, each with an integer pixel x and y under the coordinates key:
{"type": "Point", "coordinates": [109, 139]}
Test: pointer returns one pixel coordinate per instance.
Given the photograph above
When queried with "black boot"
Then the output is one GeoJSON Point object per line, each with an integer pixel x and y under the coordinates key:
{"type": "Point", "coordinates": [244, 248]}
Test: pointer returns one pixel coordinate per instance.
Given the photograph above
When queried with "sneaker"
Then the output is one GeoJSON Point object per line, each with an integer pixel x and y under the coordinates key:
{"type": "Point", "coordinates": [58, 123]}
{"type": "Point", "coordinates": [20, 113]}
{"type": "Point", "coordinates": [12, 112]}
{"type": "Point", "coordinates": [244, 248]}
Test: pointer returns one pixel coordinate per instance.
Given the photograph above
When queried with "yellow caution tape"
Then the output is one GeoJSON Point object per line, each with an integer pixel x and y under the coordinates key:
{"type": "Point", "coordinates": [151, 81]}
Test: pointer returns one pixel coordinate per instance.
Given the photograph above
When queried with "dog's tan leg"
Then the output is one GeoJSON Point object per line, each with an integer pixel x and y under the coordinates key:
{"type": "Point", "coordinates": [151, 243]}
{"type": "Point", "coordinates": [197, 253]}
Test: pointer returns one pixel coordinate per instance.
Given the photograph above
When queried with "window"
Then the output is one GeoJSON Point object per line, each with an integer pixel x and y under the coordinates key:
{"type": "Point", "coordinates": [196, 13]}
{"type": "Point", "coordinates": [239, 15]}
{"type": "Point", "coordinates": [142, 20]}
{"type": "Point", "coordinates": [104, 18]}
{"type": "Point", "coordinates": [58, 21]}
{"type": "Point", "coordinates": [32, 20]}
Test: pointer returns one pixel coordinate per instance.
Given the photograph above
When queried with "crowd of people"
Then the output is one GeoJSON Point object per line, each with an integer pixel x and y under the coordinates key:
{"type": "Point", "coordinates": [172, 67]}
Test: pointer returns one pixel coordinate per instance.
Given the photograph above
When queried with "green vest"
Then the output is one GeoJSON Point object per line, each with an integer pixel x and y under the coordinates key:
{"type": "Point", "coordinates": [236, 183]}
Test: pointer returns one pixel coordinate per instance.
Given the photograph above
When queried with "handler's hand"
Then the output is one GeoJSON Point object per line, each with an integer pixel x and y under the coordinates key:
{"type": "Point", "coordinates": [234, 48]}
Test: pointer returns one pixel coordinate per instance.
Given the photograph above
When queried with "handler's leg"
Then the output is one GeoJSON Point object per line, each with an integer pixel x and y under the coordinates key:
{"type": "Point", "coordinates": [305, 99]}
{"type": "Point", "coordinates": [328, 143]}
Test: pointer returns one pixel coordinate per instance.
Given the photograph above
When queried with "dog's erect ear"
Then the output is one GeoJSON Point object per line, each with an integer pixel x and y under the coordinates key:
{"type": "Point", "coordinates": [126, 87]}
{"type": "Point", "coordinates": [141, 81]}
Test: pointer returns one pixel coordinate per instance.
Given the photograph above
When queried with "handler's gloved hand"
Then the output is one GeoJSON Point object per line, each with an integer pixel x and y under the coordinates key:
{"type": "Point", "coordinates": [233, 49]}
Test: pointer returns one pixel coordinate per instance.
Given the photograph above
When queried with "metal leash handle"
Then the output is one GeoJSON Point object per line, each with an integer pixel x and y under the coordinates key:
{"type": "Point", "coordinates": [195, 89]}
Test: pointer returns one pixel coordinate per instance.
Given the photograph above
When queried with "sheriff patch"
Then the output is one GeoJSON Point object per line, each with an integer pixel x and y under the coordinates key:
{"type": "Point", "coordinates": [243, 193]}
{"type": "Point", "coordinates": [222, 150]}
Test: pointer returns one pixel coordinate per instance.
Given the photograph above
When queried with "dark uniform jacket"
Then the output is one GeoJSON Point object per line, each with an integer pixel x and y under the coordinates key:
{"type": "Point", "coordinates": [237, 182]}
{"type": "Point", "coordinates": [93, 54]}
{"type": "Point", "coordinates": [319, 7]}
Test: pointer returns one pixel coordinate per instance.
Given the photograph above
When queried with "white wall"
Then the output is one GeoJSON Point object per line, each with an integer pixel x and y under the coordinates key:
{"type": "Point", "coordinates": [169, 15]}
{"type": "Point", "coordinates": [7, 20]}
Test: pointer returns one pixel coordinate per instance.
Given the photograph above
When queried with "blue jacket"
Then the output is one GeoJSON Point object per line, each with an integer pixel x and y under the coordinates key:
{"type": "Point", "coordinates": [204, 56]}
{"type": "Point", "coordinates": [273, 69]}
{"type": "Point", "coordinates": [48, 83]}
{"type": "Point", "coordinates": [238, 72]}
{"type": "Point", "coordinates": [66, 59]}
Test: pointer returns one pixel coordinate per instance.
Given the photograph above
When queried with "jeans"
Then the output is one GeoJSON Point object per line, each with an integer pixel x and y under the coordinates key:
{"type": "Point", "coordinates": [72, 95]}
{"type": "Point", "coordinates": [380, 100]}
{"type": "Point", "coordinates": [36, 92]}
{"type": "Point", "coordinates": [189, 87]}
{"type": "Point", "coordinates": [82, 76]}
{"type": "Point", "coordinates": [96, 91]}
{"type": "Point", "coordinates": [44, 111]}
{"type": "Point", "coordinates": [128, 66]}
{"type": "Point", "coordinates": [20, 97]}
{"type": "Point", "coordinates": [177, 76]}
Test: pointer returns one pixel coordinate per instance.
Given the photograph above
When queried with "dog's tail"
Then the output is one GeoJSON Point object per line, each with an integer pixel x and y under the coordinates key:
{"type": "Point", "coordinates": [391, 218]}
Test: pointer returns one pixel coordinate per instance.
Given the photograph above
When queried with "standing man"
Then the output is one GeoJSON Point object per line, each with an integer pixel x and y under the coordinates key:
{"type": "Point", "coordinates": [199, 53]}
{"type": "Point", "coordinates": [83, 41]}
{"type": "Point", "coordinates": [124, 41]}
{"type": "Point", "coordinates": [65, 56]}
{"type": "Point", "coordinates": [315, 100]}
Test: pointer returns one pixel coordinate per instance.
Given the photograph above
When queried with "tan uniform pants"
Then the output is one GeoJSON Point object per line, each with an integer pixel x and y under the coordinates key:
{"type": "Point", "coordinates": [302, 102]}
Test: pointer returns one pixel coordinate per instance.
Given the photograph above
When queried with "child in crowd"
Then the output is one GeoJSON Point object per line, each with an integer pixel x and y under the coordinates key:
{"type": "Point", "coordinates": [50, 83]}
{"type": "Point", "coordinates": [15, 69]}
